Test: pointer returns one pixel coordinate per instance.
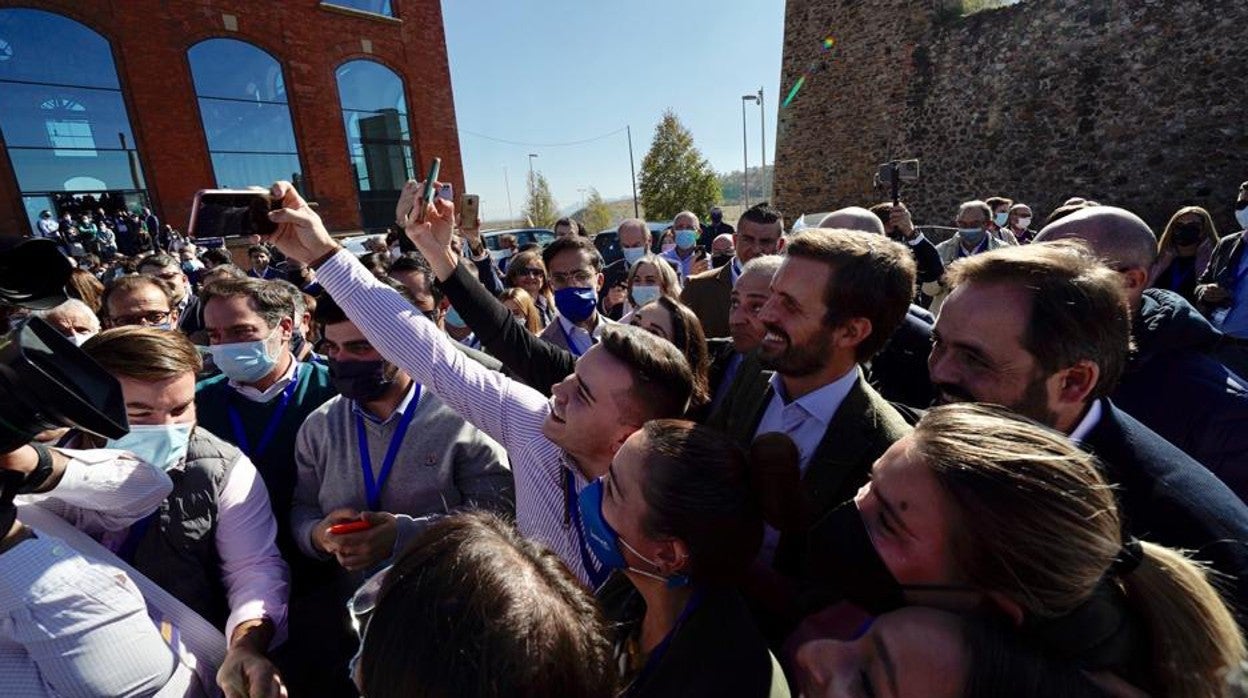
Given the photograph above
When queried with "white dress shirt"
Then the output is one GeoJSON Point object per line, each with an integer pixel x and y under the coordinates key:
{"type": "Point", "coordinates": [256, 578]}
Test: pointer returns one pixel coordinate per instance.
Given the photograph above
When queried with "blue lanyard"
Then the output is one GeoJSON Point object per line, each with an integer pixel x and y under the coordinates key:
{"type": "Point", "coordinates": [656, 655]}
{"type": "Point", "coordinates": [598, 573]}
{"type": "Point", "coordinates": [372, 487]}
{"type": "Point", "coordinates": [270, 429]}
{"type": "Point", "coordinates": [568, 338]}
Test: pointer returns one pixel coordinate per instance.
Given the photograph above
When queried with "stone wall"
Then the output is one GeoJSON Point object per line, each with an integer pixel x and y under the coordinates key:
{"type": "Point", "coordinates": [1137, 103]}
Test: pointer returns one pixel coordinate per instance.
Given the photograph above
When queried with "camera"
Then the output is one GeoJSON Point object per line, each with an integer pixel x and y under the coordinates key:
{"type": "Point", "coordinates": [893, 173]}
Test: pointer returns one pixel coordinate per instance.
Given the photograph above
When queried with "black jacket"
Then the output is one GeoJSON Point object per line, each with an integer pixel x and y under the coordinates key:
{"type": "Point", "coordinates": [899, 372]}
{"type": "Point", "coordinates": [531, 359]}
{"type": "Point", "coordinates": [716, 651]}
{"type": "Point", "coordinates": [1174, 387]}
{"type": "Point", "coordinates": [1166, 497]}
{"type": "Point", "coordinates": [931, 268]}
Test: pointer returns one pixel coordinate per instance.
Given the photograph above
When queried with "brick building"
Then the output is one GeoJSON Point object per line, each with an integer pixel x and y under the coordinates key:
{"type": "Point", "coordinates": [145, 102]}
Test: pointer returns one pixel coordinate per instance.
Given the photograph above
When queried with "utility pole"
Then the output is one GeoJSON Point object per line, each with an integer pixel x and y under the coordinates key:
{"type": "Point", "coordinates": [745, 156]}
{"type": "Point", "coordinates": [762, 133]}
{"type": "Point", "coordinates": [632, 168]}
{"type": "Point", "coordinates": [507, 183]}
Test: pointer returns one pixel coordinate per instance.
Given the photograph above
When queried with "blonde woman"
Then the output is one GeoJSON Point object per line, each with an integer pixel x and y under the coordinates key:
{"type": "Point", "coordinates": [982, 509]}
{"type": "Point", "coordinates": [522, 308]}
{"type": "Point", "coordinates": [526, 270]}
{"type": "Point", "coordinates": [1184, 250]}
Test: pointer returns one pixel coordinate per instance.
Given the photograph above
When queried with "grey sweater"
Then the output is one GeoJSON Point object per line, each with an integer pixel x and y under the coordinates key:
{"type": "Point", "coordinates": [444, 464]}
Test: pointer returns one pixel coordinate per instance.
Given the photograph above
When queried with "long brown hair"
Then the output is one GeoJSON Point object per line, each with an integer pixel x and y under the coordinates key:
{"type": "Point", "coordinates": [1208, 230]}
{"type": "Point", "coordinates": [532, 318]}
{"type": "Point", "coordinates": [1038, 523]}
{"type": "Point", "coordinates": [85, 287]}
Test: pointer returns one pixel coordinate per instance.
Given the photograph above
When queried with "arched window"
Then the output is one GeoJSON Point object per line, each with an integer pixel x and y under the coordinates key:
{"type": "Point", "coordinates": [64, 120]}
{"type": "Point", "coordinates": [242, 101]}
{"type": "Point", "coordinates": [379, 142]}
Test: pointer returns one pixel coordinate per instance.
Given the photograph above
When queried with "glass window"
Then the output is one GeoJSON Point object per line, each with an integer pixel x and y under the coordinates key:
{"type": "Point", "coordinates": [246, 117]}
{"type": "Point", "coordinates": [377, 7]}
{"type": "Point", "coordinates": [379, 141]}
{"type": "Point", "coordinates": [62, 112]}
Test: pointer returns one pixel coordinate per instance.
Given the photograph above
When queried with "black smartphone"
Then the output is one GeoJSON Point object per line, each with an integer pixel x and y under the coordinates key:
{"type": "Point", "coordinates": [427, 193]}
{"type": "Point", "coordinates": [232, 213]}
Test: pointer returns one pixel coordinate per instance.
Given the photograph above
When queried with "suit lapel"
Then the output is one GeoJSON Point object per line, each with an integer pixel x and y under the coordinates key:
{"type": "Point", "coordinates": [836, 468]}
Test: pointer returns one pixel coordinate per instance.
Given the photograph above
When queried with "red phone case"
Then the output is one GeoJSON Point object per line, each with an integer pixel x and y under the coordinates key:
{"type": "Point", "coordinates": [349, 527]}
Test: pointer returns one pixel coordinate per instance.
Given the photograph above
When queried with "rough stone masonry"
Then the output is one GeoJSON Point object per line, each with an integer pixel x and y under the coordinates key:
{"type": "Point", "coordinates": [1137, 103]}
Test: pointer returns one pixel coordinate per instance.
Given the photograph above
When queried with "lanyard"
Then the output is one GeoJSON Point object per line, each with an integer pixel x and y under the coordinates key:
{"type": "Point", "coordinates": [372, 487]}
{"type": "Point", "coordinates": [656, 655]}
{"type": "Point", "coordinates": [270, 429]}
{"type": "Point", "coordinates": [597, 572]}
{"type": "Point", "coordinates": [571, 344]}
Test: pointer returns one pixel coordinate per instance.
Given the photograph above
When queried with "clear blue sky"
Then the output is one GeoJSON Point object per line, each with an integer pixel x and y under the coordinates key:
{"type": "Point", "coordinates": [555, 71]}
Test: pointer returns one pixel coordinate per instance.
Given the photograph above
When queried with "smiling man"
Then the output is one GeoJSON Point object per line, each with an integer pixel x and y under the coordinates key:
{"type": "Point", "coordinates": [835, 301]}
{"type": "Point", "coordinates": [1044, 329]}
{"type": "Point", "coordinates": [557, 445]}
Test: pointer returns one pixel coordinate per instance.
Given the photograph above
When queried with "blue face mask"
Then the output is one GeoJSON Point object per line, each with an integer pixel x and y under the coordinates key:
{"type": "Point", "coordinates": [453, 319]}
{"type": "Point", "coordinates": [605, 543]}
{"type": "Point", "coordinates": [645, 294]}
{"type": "Point", "coordinates": [1001, 219]}
{"type": "Point", "coordinates": [245, 362]}
{"type": "Point", "coordinates": [686, 239]}
{"type": "Point", "coordinates": [161, 445]}
{"type": "Point", "coordinates": [632, 254]}
{"type": "Point", "coordinates": [972, 236]}
{"type": "Point", "coordinates": [576, 304]}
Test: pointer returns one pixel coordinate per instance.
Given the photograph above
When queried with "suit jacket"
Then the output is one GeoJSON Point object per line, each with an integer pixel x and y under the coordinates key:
{"type": "Point", "coordinates": [863, 428]}
{"type": "Point", "coordinates": [709, 295]}
{"type": "Point", "coordinates": [1222, 267]}
{"type": "Point", "coordinates": [899, 371]}
{"type": "Point", "coordinates": [1166, 497]}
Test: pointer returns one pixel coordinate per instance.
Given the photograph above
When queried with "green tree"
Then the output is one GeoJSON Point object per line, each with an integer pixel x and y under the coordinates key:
{"type": "Point", "coordinates": [674, 175]}
{"type": "Point", "coordinates": [597, 215]}
{"type": "Point", "coordinates": [541, 209]}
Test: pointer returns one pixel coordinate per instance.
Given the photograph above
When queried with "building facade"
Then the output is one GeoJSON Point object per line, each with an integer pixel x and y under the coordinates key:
{"type": "Point", "coordinates": [138, 103]}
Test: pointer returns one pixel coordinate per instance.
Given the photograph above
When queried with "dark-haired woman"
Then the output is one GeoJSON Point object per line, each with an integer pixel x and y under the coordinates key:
{"type": "Point", "coordinates": [678, 522]}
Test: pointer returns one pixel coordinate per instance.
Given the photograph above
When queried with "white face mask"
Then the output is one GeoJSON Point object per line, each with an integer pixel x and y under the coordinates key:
{"type": "Point", "coordinates": [1024, 223]}
{"type": "Point", "coordinates": [80, 339]}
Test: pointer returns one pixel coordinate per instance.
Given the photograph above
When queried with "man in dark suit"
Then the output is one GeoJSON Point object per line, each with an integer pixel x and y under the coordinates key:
{"type": "Point", "coordinates": [1172, 382]}
{"type": "Point", "coordinates": [835, 301]}
{"type": "Point", "coordinates": [760, 231]}
{"type": "Point", "coordinates": [1044, 329]}
{"type": "Point", "coordinates": [1222, 292]}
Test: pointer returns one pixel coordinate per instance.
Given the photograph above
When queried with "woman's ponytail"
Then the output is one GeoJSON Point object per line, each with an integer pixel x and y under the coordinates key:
{"type": "Point", "coordinates": [1194, 637]}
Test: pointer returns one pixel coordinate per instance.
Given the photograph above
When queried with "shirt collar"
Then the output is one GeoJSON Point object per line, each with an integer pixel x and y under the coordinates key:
{"type": "Point", "coordinates": [358, 409]}
{"type": "Point", "coordinates": [256, 395]}
{"type": "Point", "coordinates": [1088, 423]}
{"type": "Point", "coordinates": [574, 329]}
{"type": "Point", "coordinates": [736, 269]}
{"type": "Point", "coordinates": [823, 403]}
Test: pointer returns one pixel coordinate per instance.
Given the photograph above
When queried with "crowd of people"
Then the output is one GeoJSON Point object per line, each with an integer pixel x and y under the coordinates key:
{"type": "Point", "coordinates": [739, 461]}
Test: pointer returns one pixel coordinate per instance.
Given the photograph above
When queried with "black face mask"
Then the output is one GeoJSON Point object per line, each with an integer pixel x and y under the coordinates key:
{"type": "Point", "coordinates": [1185, 235]}
{"type": "Point", "coordinates": [362, 381]}
{"type": "Point", "coordinates": [842, 555]}
{"type": "Point", "coordinates": [719, 260]}
{"type": "Point", "coordinates": [297, 342]}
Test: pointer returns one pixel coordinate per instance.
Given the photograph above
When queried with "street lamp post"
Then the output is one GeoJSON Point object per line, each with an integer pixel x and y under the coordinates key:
{"type": "Point", "coordinates": [744, 149]}
{"type": "Point", "coordinates": [532, 180]}
{"type": "Point", "coordinates": [762, 136]}
{"type": "Point", "coordinates": [511, 216]}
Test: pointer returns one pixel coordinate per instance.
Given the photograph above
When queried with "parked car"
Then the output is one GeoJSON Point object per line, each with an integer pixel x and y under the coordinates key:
{"type": "Point", "coordinates": [608, 241]}
{"type": "Point", "coordinates": [524, 236]}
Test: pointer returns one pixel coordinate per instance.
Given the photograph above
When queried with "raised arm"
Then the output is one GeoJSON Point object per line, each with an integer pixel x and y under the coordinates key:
{"type": "Point", "coordinates": [507, 410]}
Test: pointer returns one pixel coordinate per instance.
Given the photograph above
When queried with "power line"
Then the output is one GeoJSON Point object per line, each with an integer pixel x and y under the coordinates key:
{"type": "Point", "coordinates": [544, 145]}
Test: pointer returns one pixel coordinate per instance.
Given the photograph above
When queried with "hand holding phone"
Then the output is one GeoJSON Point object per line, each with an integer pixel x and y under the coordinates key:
{"type": "Point", "coordinates": [426, 193]}
{"type": "Point", "coordinates": [349, 527]}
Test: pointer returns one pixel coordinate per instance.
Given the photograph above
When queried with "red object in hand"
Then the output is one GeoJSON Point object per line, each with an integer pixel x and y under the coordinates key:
{"type": "Point", "coordinates": [350, 527]}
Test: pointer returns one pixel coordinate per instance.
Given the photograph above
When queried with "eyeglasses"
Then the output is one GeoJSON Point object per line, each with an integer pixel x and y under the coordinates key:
{"type": "Point", "coordinates": [580, 277]}
{"type": "Point", "coordinates": [154, 317]}
{"type": "Point", "coordinates": [535, 272]}
{"type": "Point", "coordinates": [360, 609]}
